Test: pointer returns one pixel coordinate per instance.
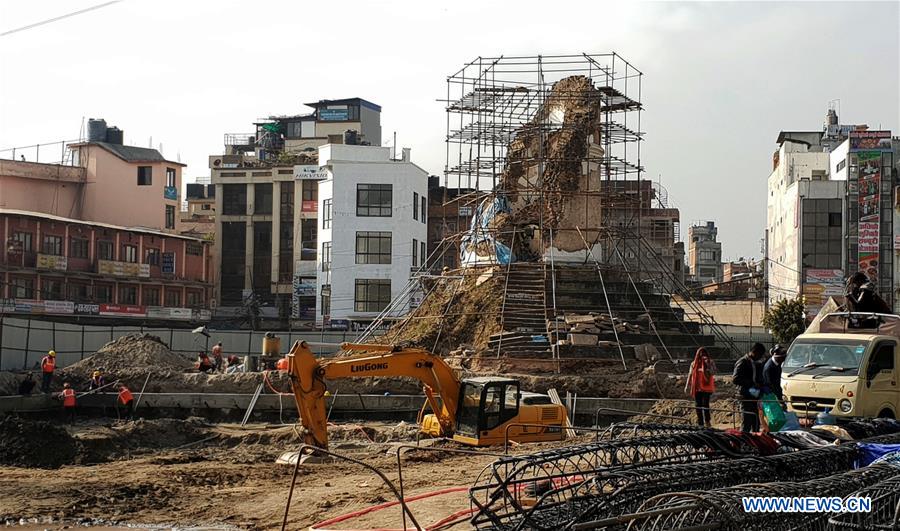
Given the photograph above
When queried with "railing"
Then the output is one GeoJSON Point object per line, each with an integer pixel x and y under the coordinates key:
{"type": "Point", "coordinates": [52, 153]}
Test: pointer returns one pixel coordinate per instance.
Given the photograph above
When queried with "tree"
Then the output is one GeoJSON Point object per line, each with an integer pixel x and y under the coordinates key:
{"type": "Point", "coordinates": [786, 319]}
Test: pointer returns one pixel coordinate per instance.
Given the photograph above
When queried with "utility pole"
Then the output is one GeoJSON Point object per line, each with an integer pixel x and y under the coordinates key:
{"type": "Point", "coordinates": [765, 265]}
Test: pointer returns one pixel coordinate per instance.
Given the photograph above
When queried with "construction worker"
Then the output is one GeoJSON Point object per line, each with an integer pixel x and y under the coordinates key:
{"type": "Point", "coordinates": [282, 364]}
{"type": "Point", "coordinates": [68, 397]}
{"type": "Point", "coordinates": [48, 365]}
{"type": "Point", "coordinates": [203, 362]}
{"type": "Point", "coordinates": [234, 365]}
{"type": "Point", "coordinates": [772, 373]}
{"type": "Point", "coordinates": [126, 400]}
{"type": "Point", "coordinates": [217, 356]}
{"type": "Point", "coordinates": [97, 381]}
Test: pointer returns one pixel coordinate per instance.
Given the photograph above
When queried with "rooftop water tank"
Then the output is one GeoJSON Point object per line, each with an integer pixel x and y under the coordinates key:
{"type": "Point", "coordinates": [114, 135]}
{"type": "Point", "coordinates": [96, 130]}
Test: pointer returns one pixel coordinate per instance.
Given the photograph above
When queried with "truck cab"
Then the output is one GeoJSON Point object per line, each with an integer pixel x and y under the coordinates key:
{"type": "Point", "coordinates": [848, 371]}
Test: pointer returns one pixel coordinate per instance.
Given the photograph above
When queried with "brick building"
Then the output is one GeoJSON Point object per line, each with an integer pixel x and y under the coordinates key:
{"type": "Point", "coordinates": [52, 265]}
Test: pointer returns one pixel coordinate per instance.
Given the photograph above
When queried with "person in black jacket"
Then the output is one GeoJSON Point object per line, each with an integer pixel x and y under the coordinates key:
{"type": "Point", "coordinates": [747, 376]}
{"type": "Point", "coordinates": [772, 372]}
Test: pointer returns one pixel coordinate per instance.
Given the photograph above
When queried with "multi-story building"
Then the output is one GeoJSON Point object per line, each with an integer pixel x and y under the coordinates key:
{"type": "Point", "coordinates": [266, 198]}
{"type": "Point", "coordinates": [704, 252]}
{"type": "Point", "coordinates": [372, 231]}
{"type": "Point", "coordinates": [103, 173]}
{"type": "Point", "coordinates": [831, 212]}
{"type": "Point", "coordinates": [198, 219]}
{"type": "Point", "coordinates": [59, 266]}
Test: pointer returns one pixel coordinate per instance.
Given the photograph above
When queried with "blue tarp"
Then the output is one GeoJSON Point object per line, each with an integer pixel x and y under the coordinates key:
{"type": "Point", "coordinates": [479, 232]}
{"type": "Point", "coordinates": [869, 452]}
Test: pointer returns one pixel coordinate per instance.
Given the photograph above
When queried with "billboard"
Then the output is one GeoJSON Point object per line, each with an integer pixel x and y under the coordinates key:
{"type": "Point", "coordinates": [170, 192]}
{"type": "Point", "coordinates": [168, 263]}
{"type": "Point", "coordinates": [123, 269]}
{"type": "Point", "coordinates": [870, 140]}
{"type": "Point", "coordinates": [311, 172]}
{"type": "Point", "coordinates": [52, 261]}
{"type": "Point", "coordinates": [869, 190]}
{"type": "Point", "coordinates": [334, 115]}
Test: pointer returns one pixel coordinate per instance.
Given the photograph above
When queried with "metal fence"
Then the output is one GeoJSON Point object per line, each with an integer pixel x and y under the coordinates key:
{"type": "Point", "coordinates": [23, 342]}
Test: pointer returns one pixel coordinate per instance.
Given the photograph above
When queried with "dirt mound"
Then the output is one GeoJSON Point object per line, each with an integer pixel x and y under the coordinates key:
{"type": "Point", "coordinates": [401, 432]}
{"type": "Point", "coordinates": [649, 383]}
{"type": "Point", "coordinates": [132, 351]}
{"type": "Point", "coordinates": [9, 383]}
{"type": "Point", "coordinates": [38, 444]}
{"type": "Point", "coordinates": [726, 412]}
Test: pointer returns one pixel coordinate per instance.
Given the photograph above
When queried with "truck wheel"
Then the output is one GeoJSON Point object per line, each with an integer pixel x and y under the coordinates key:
{"type": "Point", "coordinates": [886, 414]}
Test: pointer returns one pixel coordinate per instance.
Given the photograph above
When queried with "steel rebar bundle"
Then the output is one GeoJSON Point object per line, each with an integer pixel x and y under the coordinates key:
{"type": "Point", "coordinates": [723, 508]}
{"type": "Point", "coordinates": [885, 513]}
{"type": "Point", "coordinates": [510, 485]}
{"type": "Point", "coordinates": [637, 429]}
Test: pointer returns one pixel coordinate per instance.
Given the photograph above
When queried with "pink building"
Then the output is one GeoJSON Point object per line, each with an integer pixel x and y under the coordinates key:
{"type": "Point", "coordinates": [109, 183]}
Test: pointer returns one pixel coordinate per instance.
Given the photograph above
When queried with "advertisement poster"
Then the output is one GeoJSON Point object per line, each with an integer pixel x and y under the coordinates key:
{"type": "Point", "coordinates": [869, 211]}
{"type": "Point", "coordinates": [168, 263]}
{"type": "Point", "coordinates": [50, 261]}
{"type": "Point", "coordinates": [870, 140]}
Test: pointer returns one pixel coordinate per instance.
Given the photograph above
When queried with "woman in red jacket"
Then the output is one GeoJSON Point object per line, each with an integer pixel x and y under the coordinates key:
{"type": "Point", "coordinates": [701, 384]}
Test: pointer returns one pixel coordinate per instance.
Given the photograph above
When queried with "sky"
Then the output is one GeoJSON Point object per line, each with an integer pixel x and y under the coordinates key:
{"type": "Point", "coordinates": [721, 79]}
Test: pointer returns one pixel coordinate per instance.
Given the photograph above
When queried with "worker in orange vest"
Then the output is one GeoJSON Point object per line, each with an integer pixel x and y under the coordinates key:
{"type": "Point", "coordinates": [68, 398]}
{"type": "Point", "coordinates": [126, 399]}
{"type": "Point", "coordinates": [282, 364]}
{"type": "Point", "coordinates": [48, 365]}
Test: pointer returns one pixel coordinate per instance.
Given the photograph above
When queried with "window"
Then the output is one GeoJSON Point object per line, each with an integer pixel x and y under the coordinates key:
{"type": "Point", "coordinates": [234, 199]}
{"type": "Point", "coordinates": [308, 236]}
{"type": "Point", "coordinates": [193, 299]}
{"type": "Point", "coordinates": [52, 289]}
{"type": "Point", "coordinates": [129, 254]}
{"type": "Point", "coordinates": [263, 201]}
{"type": "Point", "coordinates": [326, 299]}
{"type": "Point", "coordinates": [151, 256]}
{"type": "Point", "coordinates": [144, 175]}
{"type": "Point", "coordinates": [326, 213]}
{"type": "Point", "coordinates": [173, 298]}
{"type": "Point", "coordinates": [104, 250]}
{"type": "Point", "coordinates": [151, 296]}
{"type": "Point", "coordinates": [25, 238]}
{"type": "Point", "coordinates": [373, 247]}
{"type": "Point", "coordinates": [194, 248]}
{"type": "Point", "coordinates": [326, 256]}
{"type": "Point", "coordinates": [416, 206]}
{"type": "Point", "coordinates": [170, 216]}
{"type": "Point", "coordinates": [309, 190]}
{"type": "Point", "coordinates": [22, 288]}
{"type": "Point", "coordinates": [882, 360]}
{"type": "Point", "coordinates": [422, 254]}
{"type": "Point", "coordinates": [415, 253]}
{"type": "Point", "coordinates": [52, 245]}
{"type": "Point", "coordinates": [127, 294]}
{"type": "Point", "coordinates": [371, 295]}
{"type": "Point", "coordinates": [834, 219]}
{"type": "Point", "coordinates": [78, 248]}
{"type": "Point", "coordinates": [170, 177]}
{"type": "Point", "coordinates": [77, 292]}
{"type": "Point", "coordinates": [374, 200]}
{"type": "Point", "coordinates": [103, 292]}
{"type": "Point", "coordinates": [424, 217]}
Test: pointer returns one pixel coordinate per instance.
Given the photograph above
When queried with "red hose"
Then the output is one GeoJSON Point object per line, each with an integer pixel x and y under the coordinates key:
{"type": "Point", "coordinates": [269, 385]}
{"type": "Point", "coordinates": [386, 505]}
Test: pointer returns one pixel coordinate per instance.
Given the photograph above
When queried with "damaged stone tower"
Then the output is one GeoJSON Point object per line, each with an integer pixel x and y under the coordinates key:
{"type": "Point", "coordinates": [557, 231]}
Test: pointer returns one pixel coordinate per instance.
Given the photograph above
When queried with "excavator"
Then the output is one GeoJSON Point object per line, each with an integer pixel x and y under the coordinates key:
{"type": "Point", "coordinates": [474, 411]}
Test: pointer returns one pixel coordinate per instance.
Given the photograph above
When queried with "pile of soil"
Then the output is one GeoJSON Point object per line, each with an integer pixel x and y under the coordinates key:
{"type": "Point", "coordinates": [9, 383]}
{"type": "Point", "coordinates": [454, 311]}
{"type": "Point", "coordinates": [401, 432]}
{"type": "Point", "coordinates": [132, 351]}
{"type": "Point", "coordinates": [726, 412]}
{"type": "Point", "coordinates": [37, 444]}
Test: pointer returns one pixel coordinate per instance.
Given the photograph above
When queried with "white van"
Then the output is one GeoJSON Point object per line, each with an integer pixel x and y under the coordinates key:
{"type": "Point", "coordinates": [846, 364]}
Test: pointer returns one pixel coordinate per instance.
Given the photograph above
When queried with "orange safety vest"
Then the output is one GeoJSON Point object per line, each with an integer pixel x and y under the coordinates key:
{"type": "Point", "coordinates": [282, 364]}
{"type": "Point", "coordinates": [125, 396]}
{"type": "Point", "coordinates": [68, 397]}
{"type": "Point", "coordinates": [701, 380]}
{"type": "Point", "coordinates": [48, 364]}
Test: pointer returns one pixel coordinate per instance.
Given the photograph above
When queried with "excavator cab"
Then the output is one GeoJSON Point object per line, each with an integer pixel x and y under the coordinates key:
{"type": "Point", "coordinates": [490, 408]}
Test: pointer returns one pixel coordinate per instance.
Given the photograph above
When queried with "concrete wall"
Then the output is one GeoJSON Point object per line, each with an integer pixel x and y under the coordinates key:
{"type": "Point", "coordinates": [47, 188]}
{"type": "Point", "coordinates": [22, 344]}
{"type": "Point", "coordinates": [346, 167]}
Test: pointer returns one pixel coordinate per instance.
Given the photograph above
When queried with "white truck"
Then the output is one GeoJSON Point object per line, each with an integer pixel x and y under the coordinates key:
{"type": "Point", "coordinates": [846, 364]}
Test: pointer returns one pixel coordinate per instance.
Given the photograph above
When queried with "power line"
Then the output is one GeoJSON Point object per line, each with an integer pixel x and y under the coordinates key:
{"type": "Point", "coordinates": [54, 19]}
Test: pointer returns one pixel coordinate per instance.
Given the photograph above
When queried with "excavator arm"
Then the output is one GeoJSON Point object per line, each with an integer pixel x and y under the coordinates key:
{"type": "Point", "coordinates": [308, 377]}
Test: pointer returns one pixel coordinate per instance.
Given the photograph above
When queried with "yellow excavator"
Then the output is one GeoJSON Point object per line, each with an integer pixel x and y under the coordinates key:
{"type": "Point", "coordinates": [474, 411]}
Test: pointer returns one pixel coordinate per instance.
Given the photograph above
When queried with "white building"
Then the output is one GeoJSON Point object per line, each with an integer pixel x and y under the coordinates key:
{"type": "Point", "coordinates": [372, 230]}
